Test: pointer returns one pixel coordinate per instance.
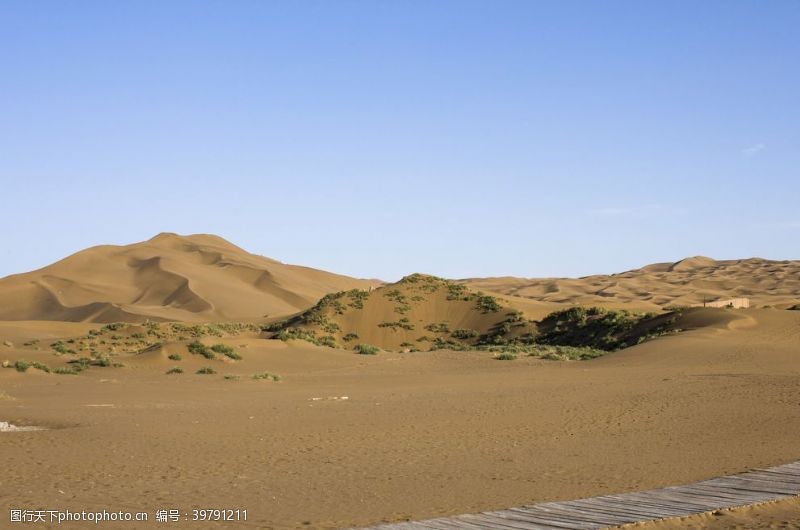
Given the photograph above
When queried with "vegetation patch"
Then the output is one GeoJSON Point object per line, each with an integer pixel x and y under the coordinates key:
{"type": "Point", "coordinates": [198, 348]}
{"type": "Point", "coordinates": [366, 349]}
{"type": "Point", "coordinates": [175, 370]}
{"type": "Point", "coordinates": [21, 365]}
{"type": "Point", "coordinates": [227, 351]}
{"type": "Point", "coordinates": [266, 376]}
{"type": "Point", "coordinates": [206, 370]}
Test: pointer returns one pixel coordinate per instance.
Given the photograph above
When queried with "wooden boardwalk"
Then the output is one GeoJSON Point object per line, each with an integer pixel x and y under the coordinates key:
{"type": "Point", "coordinates": [752, 487]}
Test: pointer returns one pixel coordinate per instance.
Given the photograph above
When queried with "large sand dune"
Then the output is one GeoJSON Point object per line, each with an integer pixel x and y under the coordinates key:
{"type": "Point", "coordinates": [169, 277]}
{"type": "Point", "coordinates": [686, 282]}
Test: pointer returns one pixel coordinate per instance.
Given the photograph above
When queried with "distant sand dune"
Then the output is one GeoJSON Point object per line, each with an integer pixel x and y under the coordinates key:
{"type": "Point", "coordinates": [169, 277]}
{"type": "Point", "coordinates": [686, 282]}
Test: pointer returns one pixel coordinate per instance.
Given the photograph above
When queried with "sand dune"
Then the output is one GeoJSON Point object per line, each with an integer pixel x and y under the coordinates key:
{"type": "Point", "coordinates": [417, 313]}
{"type": "Point", "coordinates": [169, 277]}
{"type": "Point", "coordinates": [686, 282]}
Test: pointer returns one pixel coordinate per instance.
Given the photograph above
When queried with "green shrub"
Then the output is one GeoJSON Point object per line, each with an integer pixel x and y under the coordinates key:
{"type": "Point", "coordinates": [174, 357]}
{"type": "Point", "coordinates": [60, 347]}
{"type": "Point", "coordinates": [463, 334]}
{"type": "Point", "coordinates": [198, 348]}
{"type": "Point", "coordinates": [366, 349]}
{"type": "Point", "coordinates": [206, 370]}
{"type": "Point", "coordinates": [438, 328]}
{"type": "Point", "coordinates": [63, 370]}
{"type": "Point", "coordinates": [175, 370]}
{"type": "Point", "coordinates": [488, 304]}
{"type": "Point", "coordinates": [21, 365]}
{"type": "Point", "coordinates": [505, 356]}
{"type": "Point", "coordinates": [349, 337]}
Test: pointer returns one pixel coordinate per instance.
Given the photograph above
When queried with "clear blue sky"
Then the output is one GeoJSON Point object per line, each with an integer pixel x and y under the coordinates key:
{"type": "Point", "coordinates": [379, 138]}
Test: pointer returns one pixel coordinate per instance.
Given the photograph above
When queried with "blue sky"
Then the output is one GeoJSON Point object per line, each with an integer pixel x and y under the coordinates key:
{"type": "Point", "coordinates": [379, 138]}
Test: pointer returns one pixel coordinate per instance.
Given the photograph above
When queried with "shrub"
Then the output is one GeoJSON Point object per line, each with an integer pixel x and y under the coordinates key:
{"type": "Point", "coordinates": [366, 349]}
{"type": "Point", "coordinates": [488, 304]}
{"type": "Point", "coordinates": [505, 356]}
{"type": "Point", "coordinates": [231, 377]}
{"type": "Point", "coordinates": [198, 348]}
{"type": "Point", "coordinates": [21, 365]}
{"type": "Point", "coordinates": [175, 370]}
{"type": "Point", "coordinates": [438, 328]}
{"type": "Point", "coordinates": [463, 334]}
{"type": "Point", "coordinates": [349, 337]}
{"type": "Point", "coordinates": [267, 376]}
{"type": "Point", "coordinates": [227, 351]}
{"type": "Point", "coordinates": [328, 341]}
{"type": "Point", "coordinates": [60, 347]}
{"type": "Point", "coordinates": [206, 370]}
{"type": "Point", "coordinates": [174, 357]}
{"type": "Point", "coordinates": [64, 370]}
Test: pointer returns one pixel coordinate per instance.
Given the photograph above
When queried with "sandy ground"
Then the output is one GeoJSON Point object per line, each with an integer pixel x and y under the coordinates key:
{"type": "Point", "coordinates": [783, 514]}
{"type": "Point", "coordinates": [420, 435]}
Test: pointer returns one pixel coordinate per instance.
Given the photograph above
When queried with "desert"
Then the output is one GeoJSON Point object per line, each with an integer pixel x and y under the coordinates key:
{"type": "Point", "coordinates": [399, 265]}
{"type": "Point", "coordinates": [171, 406]}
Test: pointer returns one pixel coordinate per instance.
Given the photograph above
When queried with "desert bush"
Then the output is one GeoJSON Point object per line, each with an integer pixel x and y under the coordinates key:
{"type": "Point", "coordinates": [366, 349]}
{"type": "Point", "coordinates": [438, 328]}
{"type": "Point", "coordinates": [267, 376]}
{"type": "Point", "coordinates": [231, 377]}
{"type": "Point", "coordinates": [174, 357]}
{"type": "Point", "coordinates": [349, 337]}
{"type": "Point", "coordinates": [327, 340]}
{"type": "Point", "coordinates": [198, 348]}
{"type": "Point", "coordinates": [463, 334]}
{"type": "Point", "coordinates": [60, 347]}
{"type": "Point", "coordinates": [505, 356]}
{"type": "Point", "coordinates": [21, 365]}
{"type": "Point", "coordinates": [488, 304]}
{"type": "Point", "coordinates": [64, 370]}
{"type": "Point", "coordinates": [206, 370]}
{"type": "Point", "coordinates": [175, 370]}
{"type": "Point", "coordinates": [221, 348]}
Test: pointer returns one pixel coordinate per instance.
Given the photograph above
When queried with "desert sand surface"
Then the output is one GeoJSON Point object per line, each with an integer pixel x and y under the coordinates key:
{"type": "Point", "coordinates": [169, 277]}
{"type": "Point", "coordinates": [420, 434]}
{"type": "Point", "coordinates": [784, 514]}
{"type": "Point", "coordinates": [683, 283]}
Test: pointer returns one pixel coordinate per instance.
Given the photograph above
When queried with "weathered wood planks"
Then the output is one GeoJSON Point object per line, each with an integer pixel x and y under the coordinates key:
{"type": "Point", "coordinates": [760, 485]}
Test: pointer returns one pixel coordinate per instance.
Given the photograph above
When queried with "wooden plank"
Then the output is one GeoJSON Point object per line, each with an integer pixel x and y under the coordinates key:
{"type": "Point", "coordinates": [575, 514]}
{"type": "Point", "coordinates": [495, 521]}
{"type": "Point", "coordinates": [593, 513]}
